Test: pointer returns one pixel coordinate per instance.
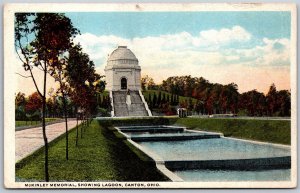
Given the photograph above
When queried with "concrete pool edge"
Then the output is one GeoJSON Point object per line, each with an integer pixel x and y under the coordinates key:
{"type": "Point", "coordinates": [277, 145]}
{"type": "Point", "coordinates": [159, 162]}
{"type": "Point", "coordinates": [166, 166]}
{"type": "Point", "coordinates": [240, 139]}
{"type": "Point", "coordinates": [272, 163]}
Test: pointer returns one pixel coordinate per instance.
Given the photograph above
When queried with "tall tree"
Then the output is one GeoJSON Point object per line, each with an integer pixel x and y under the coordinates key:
{"type": "Point", "coordinates": [271, 99]}
{"type": "Point", "coordinates": [154, 100]}
{"type": "Point", "coordinates": [40, 38]}
{"type": "Point", "coordinates": [150, 101]}
{"type": "Point", "coordinates": [20, 102]}
{"type": "Point", "coordinates": [159, 99]}
{"type": "Point", "coordinates": [85, 83]}
{"type": "Point", "coordinates": [284, 103]}
{"type": "Point", "coordinates": [63, 90]}
{"type": "Point", "coordinates": [34, 102]}
{"type": "Point", "coordinates": [20, 99]}
{"type": "Point", "coordinates": [172, 99]}
{"type": "Point", "coordinates": [147, 83]}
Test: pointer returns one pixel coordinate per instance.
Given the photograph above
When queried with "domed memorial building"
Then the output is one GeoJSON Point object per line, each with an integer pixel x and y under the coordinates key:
{"type": "Point", "coordinates": [123, 81]}
{"type": "Point", "coordinates": [122, 70]}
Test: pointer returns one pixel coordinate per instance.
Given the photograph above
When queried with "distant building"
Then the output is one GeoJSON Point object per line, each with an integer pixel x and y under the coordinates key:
{"type": "Point", "coordinates": [123, 81]}
{"type": "Point", "coordinates": [122, 70]}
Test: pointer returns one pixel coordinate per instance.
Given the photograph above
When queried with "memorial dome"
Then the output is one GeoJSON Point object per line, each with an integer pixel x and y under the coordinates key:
{"type": "Point", "coordinates": [122, 71]}
{"type": "Point", "coordinates": [122, 53]}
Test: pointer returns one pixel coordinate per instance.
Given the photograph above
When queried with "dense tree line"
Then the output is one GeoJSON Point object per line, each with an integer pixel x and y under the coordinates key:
{"type": "Point", "coordinates": [214, 98]}
{"type": "Point", "coordinates": [274, 103]}
{"type": "Point", "coordinates": [162, 102]}
{"type": "Point", "coordinates": [29, 107]}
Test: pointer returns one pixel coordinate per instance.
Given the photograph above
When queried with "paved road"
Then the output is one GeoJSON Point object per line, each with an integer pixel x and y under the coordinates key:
{"type": "Point", "coordinates": [29, 140]}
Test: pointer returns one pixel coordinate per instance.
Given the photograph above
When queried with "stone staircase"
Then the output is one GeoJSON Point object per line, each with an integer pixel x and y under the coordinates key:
{"type": "Point", "coordinates": [121, 109]}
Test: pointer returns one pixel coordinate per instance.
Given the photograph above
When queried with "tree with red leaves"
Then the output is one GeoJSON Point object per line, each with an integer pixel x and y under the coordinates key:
{"type": "Point", "coordinates": [84, 82]}
{"type": "Point", "coordinates": [34, 103]}
{"type": "Point", "coordinates": [40, 40]}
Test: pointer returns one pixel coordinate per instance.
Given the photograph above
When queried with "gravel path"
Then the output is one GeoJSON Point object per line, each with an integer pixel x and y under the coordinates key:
{"type": "Point", "coordinates": [29, 140]}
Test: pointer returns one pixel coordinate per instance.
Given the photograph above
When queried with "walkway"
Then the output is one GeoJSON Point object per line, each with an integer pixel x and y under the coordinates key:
{"type": "Point", "coordinates": [29, 140]}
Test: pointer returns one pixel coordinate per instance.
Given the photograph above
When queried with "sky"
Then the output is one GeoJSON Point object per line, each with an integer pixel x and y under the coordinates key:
{"type": "Point", "coordinates": [251, 49]}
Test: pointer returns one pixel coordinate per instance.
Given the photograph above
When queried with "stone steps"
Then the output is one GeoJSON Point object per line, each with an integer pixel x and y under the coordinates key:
{"type": "Point", "coordinates": [121, 109]}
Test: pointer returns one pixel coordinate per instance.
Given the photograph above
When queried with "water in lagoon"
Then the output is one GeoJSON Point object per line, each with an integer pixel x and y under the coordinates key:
{"type": "Point", "coordinates": [212, 149]}
{"type": "Point", "coordinates": [167, 133]}
{"type": "Point", "coordinates": [228, 175]}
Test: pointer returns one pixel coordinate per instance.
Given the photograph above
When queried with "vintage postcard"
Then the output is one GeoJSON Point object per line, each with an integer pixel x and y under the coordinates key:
{"type": "Point", "coordinates": [150, 95]}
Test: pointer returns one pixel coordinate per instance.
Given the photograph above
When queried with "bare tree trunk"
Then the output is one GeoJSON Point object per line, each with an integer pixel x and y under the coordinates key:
{"type": "Point", "coordinates": [44, 128]}
{"type": "Point", "coordinates": [66, 121]}
{"type": "Point", "coordinates": [82, 122]}
{"type": "Point", "coordinates": [76, 130]}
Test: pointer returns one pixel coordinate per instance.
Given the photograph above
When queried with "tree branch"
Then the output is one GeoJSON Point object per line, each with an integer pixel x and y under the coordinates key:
{"type": "Point", "coordinates": [37, 88]}
{"type": "Point", "coordinates": [30, 70]}
{"type": "Point", "coordinates": [23, 75]}
{"type": "Point", "coordinates": [18, 54]}
{"type": "Point", "coordinates": [41, 69]}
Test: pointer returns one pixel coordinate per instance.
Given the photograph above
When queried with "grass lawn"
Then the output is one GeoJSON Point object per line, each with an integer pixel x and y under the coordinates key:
{"type": "Point", "coordinates": [100, 156]}
{"type": "Point", "coordinates": [31, 123]}
{"type": "Point", "coordinates": [104, 155]}
{"type": "Point", "coordinates": [274, 131]}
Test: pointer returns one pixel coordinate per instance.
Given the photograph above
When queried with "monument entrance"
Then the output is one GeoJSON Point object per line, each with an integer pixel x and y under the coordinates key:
{"type": "Point", "coordinates": [123, 83]}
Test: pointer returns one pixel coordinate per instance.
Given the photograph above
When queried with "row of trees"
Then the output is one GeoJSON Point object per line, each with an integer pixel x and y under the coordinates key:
{"type": "Point", "coordinates": [274, 103]}
{"type": "Point", "coordinates": [29, 107]}
{"type": "Point", "coordinates": [156, 101]}
{"type": "Point", "coordinates": [162, 102]}
{"type": "Point", "coordinates": [214, 98]}
{"type": "Point", "coordinates": [44, 41]}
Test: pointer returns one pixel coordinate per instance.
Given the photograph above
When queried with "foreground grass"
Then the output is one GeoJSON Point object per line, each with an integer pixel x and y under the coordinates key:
{"type": "Point", "coordinates": [104, 155]}
{"type": "Point", "coordinates": [100, 156]}
{"type": "Point", "coordinates": [32, 123]}
{"type": "Point", "coordinates": [274, 131]}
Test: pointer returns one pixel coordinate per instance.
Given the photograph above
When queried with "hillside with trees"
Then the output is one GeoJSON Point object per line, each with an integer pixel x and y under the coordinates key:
{"type": "Point", "coordinates": [199, 96]}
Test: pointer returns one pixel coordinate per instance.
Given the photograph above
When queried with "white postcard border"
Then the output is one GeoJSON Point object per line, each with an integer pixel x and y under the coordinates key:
{"type": "Point", "coordinates": [10, 83]}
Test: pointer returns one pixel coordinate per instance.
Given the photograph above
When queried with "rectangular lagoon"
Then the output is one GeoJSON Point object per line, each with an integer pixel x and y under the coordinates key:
{"type": "Point", "coordinates": [212, 149]}
{"type": "Point", "coordinates": [206, 156]}
{"type": "Point", "coordinates": [164, 133]}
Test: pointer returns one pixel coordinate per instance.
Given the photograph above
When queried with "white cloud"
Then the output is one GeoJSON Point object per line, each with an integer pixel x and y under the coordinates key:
{"type": "Point", "coordinates": [224, 36]}
{"type": "Point", "coordinates": [276, 52]}
{"type": "Point", "coordinates": [272, 53]}
{"type": "Point", "coordinates": [213, 54]}
{"type": "Point", "coordinates": [99, 47]}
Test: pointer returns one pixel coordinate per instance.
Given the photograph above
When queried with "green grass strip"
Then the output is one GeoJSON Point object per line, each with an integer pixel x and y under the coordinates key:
{"type": "Point", "coordinates": [274, 131]}
{"type": "Point", "coordinates": [32, 123]}
{"type": "Point", "coordinates": [100, 156]}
